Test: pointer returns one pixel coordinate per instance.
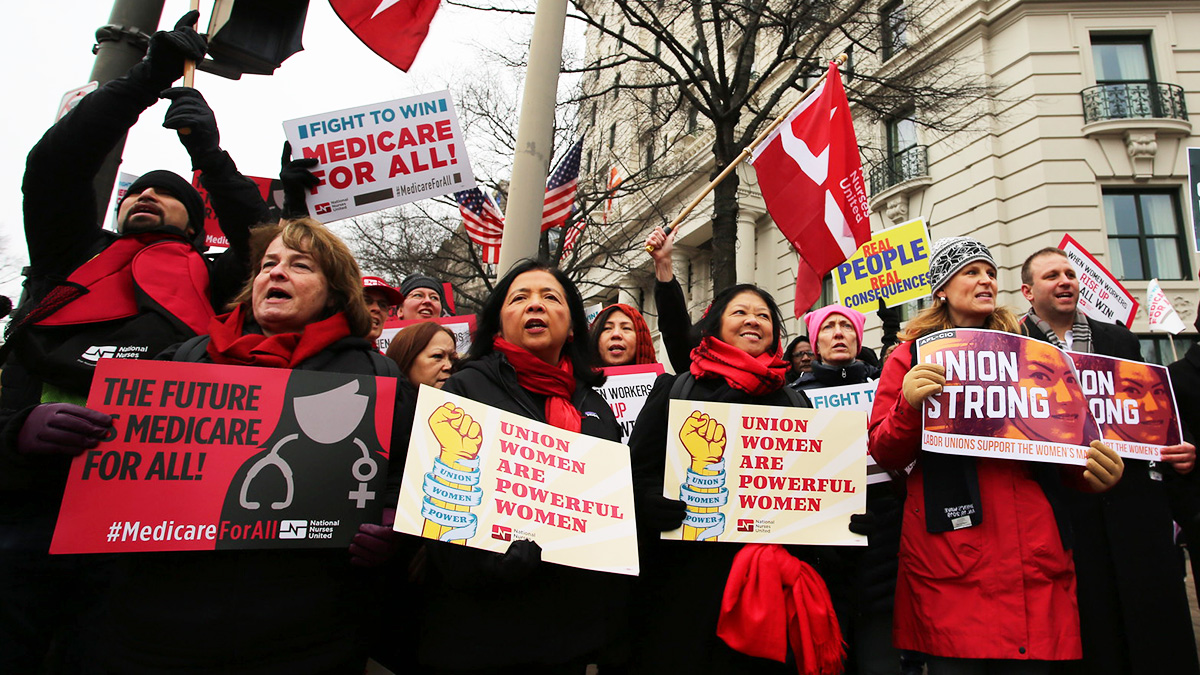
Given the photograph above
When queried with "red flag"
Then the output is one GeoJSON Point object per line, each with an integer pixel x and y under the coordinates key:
{"type": "Point", "coordinates": [614, 182]}
{"type": "Point", "coordinates": [811, 178]}
{"type": "Point", "coordinates": [393, 29]}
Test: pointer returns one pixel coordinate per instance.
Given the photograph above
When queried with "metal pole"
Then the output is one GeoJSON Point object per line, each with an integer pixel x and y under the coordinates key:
{"type": "Point", "coordinates": [535, 137]}
{"type": "Point", "coordinates": [120, 45]}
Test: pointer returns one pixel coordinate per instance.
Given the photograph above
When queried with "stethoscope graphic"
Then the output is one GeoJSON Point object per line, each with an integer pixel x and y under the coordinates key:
{"type": "Point", "coordinates": [327, 418]}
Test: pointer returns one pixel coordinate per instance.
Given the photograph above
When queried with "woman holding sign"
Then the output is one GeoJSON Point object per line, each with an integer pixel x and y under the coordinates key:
{"type": "Point", "coordinates": [293, 610]}
{"type": "Point", "coordinates": [488, 612]}
{"type": "Point", "coordinates": [679, 617]}
{"type": "Point", "coordinates": [986, 581]}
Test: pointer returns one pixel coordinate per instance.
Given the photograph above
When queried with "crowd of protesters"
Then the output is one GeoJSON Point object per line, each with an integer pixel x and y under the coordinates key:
{"type": "Point", "coordinates": [1051, 569]}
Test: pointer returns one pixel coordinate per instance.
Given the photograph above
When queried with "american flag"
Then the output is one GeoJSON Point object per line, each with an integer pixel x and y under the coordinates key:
{"type": "Point", "coordinates": [560, 189]}
{"type": "Point", "coordinates": [572, 236]}
{"type": "Point", "coordinates": [483, 221]}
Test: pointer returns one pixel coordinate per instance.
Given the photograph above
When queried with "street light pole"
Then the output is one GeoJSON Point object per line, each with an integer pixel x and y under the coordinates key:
{"type": "Point", "coordinates": [535, 137]}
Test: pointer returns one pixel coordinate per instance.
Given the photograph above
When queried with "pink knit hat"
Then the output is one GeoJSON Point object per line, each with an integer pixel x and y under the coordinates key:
{"type": "Point", "coordinates": [815, 318]}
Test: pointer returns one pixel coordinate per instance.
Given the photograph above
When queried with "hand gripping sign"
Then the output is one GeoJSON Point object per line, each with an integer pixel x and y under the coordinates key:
{"type": "Point", "coordinates": [777, 474]}
{"type": "Point", "coordinates": [480, 476]}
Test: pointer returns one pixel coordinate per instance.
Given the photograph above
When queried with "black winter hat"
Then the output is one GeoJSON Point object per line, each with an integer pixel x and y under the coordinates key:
{"type": "Point", "coordinates": [414, 281]}
{"type": "Point", "coordinates": [183, 191]}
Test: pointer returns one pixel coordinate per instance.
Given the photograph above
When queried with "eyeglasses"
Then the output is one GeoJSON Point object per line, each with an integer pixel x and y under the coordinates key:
{"type": "Point", "coordinates": [800, 355]}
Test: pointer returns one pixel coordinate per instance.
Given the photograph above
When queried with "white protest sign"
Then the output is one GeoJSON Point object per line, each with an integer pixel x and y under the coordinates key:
{"type": "Point", "coordinates": [851, 397]}
{"type": "Point", "coordinates": [462, 327]}
{"type": "Point", "coordinates": [626, 389]}
{"type": "Point", "coordinates": [1101, 296]}
{"type": "Point", "coordinates": [1162, 313]}
{"type": "Point", "coordinates": [376, 156]}
{"type": "Point", "coordinates": [124, 180]}
{"type": "Point", "coordinates": [481, 476]}
{"type": "Point", "coordinates": [73, 97]}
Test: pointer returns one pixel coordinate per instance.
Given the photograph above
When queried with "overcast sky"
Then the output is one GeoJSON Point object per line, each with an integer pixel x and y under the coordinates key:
{"type": "Point", "coordinates": [49, 52]}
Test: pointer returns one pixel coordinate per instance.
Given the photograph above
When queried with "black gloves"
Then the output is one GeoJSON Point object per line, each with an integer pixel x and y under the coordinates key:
{"type": "Point", "coordinates": [518, 563]}
{"type": "Point", "coordinates": [374, 545]}
{"type": "Point", "coordinates": [62, 429]}
{"type": "Point", "coordinates": [863, 523]}
{"type": "Point", "coordinates": [297, 178]}
{"type": "Point", "coordinates": [661, 513]}
{"type": "Point", "coordinates": [169, 49]}
{"type": "Point", "coordinates": [190, 115]}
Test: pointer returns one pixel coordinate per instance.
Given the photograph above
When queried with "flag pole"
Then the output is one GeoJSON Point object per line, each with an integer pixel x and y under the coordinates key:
{"type": "Point", "coordinates": [1174, 354]}
{"type": "Point", "coordinates": [747, 151]}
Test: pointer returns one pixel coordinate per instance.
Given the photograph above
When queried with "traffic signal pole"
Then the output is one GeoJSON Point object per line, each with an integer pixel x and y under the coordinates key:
{"type": "Point", "coordinates": [119, 45]}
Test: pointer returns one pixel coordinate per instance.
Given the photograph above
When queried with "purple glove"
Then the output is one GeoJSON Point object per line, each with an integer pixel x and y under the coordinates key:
{"type": "Point", "coordinates": [375, 544]}
{"type": "Point", "coordinates": [62, 429]}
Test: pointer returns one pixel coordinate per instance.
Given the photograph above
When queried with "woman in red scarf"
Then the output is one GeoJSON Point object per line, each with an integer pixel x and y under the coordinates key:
{"type": "Point", "coordinates": [272, 610]}
{"type": "Point", "coordinates": [693, 612]}
{"type": "Point", "coordinates": [512, 613]}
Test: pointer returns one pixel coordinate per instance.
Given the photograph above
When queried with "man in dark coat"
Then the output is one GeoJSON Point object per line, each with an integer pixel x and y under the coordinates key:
{"type": "Point", "coordinates": [1185, 493]}
{"type": "Point", "coordinates": [1133, 606]}
{"type": "Point", "coordinates": [90, 294]}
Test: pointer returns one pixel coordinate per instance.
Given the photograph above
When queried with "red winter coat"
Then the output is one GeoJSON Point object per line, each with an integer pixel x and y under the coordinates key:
{"type": "Point", "coordinates": [1004, 589]}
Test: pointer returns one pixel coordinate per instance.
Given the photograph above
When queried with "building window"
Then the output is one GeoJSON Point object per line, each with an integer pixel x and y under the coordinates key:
{"type": "Point", "coordinates": [1126, 84]}
{"type": "Point", "coordinates": [1145, 234]}
{"type": "Point", "coordinates": [693, 120]}
{"type": "Point", "coordinates": [905, 159]}
{"type": "Point", "coordinates": [648, 153]}
{"type": "Point", "coordinates": [616, 86]}
{"type": "Point", "coordinates": [1156, 347]}
{"type": "Point", "coordinates": [612, 136]}
{"type": "Point", "coordinates": [893, 28]}
{"type": "Point", "coordinates": [587, 163]}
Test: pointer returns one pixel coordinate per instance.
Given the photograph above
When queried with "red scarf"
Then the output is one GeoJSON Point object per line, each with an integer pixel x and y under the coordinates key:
{"type": "Point", "coordinates": [231, 345]}
{"type": "Point", "coordinates": [755, 375]}
{"type": "Point", "coordinates": [772, 599]}
{"type": "Point", "coordinates": [556, 383]}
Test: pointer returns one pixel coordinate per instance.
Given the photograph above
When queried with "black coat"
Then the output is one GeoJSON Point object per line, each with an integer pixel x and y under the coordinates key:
{"type": "Point", "coordinates": [1133, 610]}
{"type": "Point", "coordinates": [260, 612]}
{"type": "Point", "coordinates": [555, 615]}
{"type": "Point", "coordinates": [678, 595]}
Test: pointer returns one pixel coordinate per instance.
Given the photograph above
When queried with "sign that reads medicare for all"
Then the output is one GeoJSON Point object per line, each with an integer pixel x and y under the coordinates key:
{"type": "Point", "coordinates": [376, 156]}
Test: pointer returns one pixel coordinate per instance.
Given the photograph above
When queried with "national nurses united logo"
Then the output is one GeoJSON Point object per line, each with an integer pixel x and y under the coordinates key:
{"type": "Point", "coordinates": [703, 491]}
{"type": "Point", "coordinates": [452, 486]}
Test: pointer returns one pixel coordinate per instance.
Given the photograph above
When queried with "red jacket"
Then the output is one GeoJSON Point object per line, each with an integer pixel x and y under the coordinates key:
{"type": "Point", "coordinates": [1004, 589]}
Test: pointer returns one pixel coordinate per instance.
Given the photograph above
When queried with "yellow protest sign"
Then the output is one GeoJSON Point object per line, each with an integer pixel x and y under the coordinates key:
{"type": "Point", "coordinates": [765, 474]}
{"type": "Point", "coordinates": [481, 476]}
{"type": "Point", "coordinates": [893, 266]}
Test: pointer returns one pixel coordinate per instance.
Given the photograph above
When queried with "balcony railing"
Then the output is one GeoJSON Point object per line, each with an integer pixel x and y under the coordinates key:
{"type": "Point", "coordinates": [1133, 100]}
{"type": "Point", "coordinates": [907, 165]}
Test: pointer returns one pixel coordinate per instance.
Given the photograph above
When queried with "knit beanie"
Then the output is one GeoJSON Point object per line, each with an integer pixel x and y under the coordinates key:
{"type": "Point", "coordinates": [414, 281]}
{"type": "Point", "coordinates": [815, 318]}
{"type": "Point", "coordinates": [181, 189]}
{"type": "Point", "coordinates": [950, 255]}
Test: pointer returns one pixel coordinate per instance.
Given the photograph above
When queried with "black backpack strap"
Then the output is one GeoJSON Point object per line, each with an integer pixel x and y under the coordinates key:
{"type": "Point", "coordinates": [798, 399]}
{"type": "Point", "coordinates": [193, 349]}
{"type": "Point", "coordinates": [682, 387]}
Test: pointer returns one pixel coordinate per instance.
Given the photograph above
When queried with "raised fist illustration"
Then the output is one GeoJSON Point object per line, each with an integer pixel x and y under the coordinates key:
{"type": "Point", "coordinates": [704, 439]}
{"type": "Point", "coordinates": [458, 434]}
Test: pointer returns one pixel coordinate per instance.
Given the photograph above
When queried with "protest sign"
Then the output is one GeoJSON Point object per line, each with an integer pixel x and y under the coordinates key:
{"type": "Point", "coordinates": [205, 457]}
{"type": "Point", "coordinates": [1006, 396]}
{"type": "Point", "coordinates": [1101, 295]}
{"type": "Point", "coordinates": [1160, 312]}
{"type": "Point", "coordinates": [73, 97]}
{"type": "Point", "coordinates": [859, 397]}
{"type": "Point", "coordinates": [778, 475]}
{"type": "Point", "coordinates": [463, 328]}
{"type": "Point", "coordinates": [592, 311]}
{"type": "Point", "coordinates": [481, 476]}
{"type": "Point", "coordinates": [376, 156]}
{"type": "Point", "coordinates": [1133, 402]}
{"type": "Point", "coordinates": [124, 180]}
{"type": "Point", "coordinates": [1193, 156]}
{"type": "Point", "coordinates": [893, 266]}
{"type": "Point", "coordinates": [213, 236]}
{"type": "Point", "coordinates": [626, 389]}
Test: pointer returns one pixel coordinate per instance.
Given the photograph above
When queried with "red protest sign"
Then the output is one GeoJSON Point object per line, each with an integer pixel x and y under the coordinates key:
{"type": "Point", "coordinates": [205, 457]}
{"type": "Point", "coordinates": [213, 236]}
